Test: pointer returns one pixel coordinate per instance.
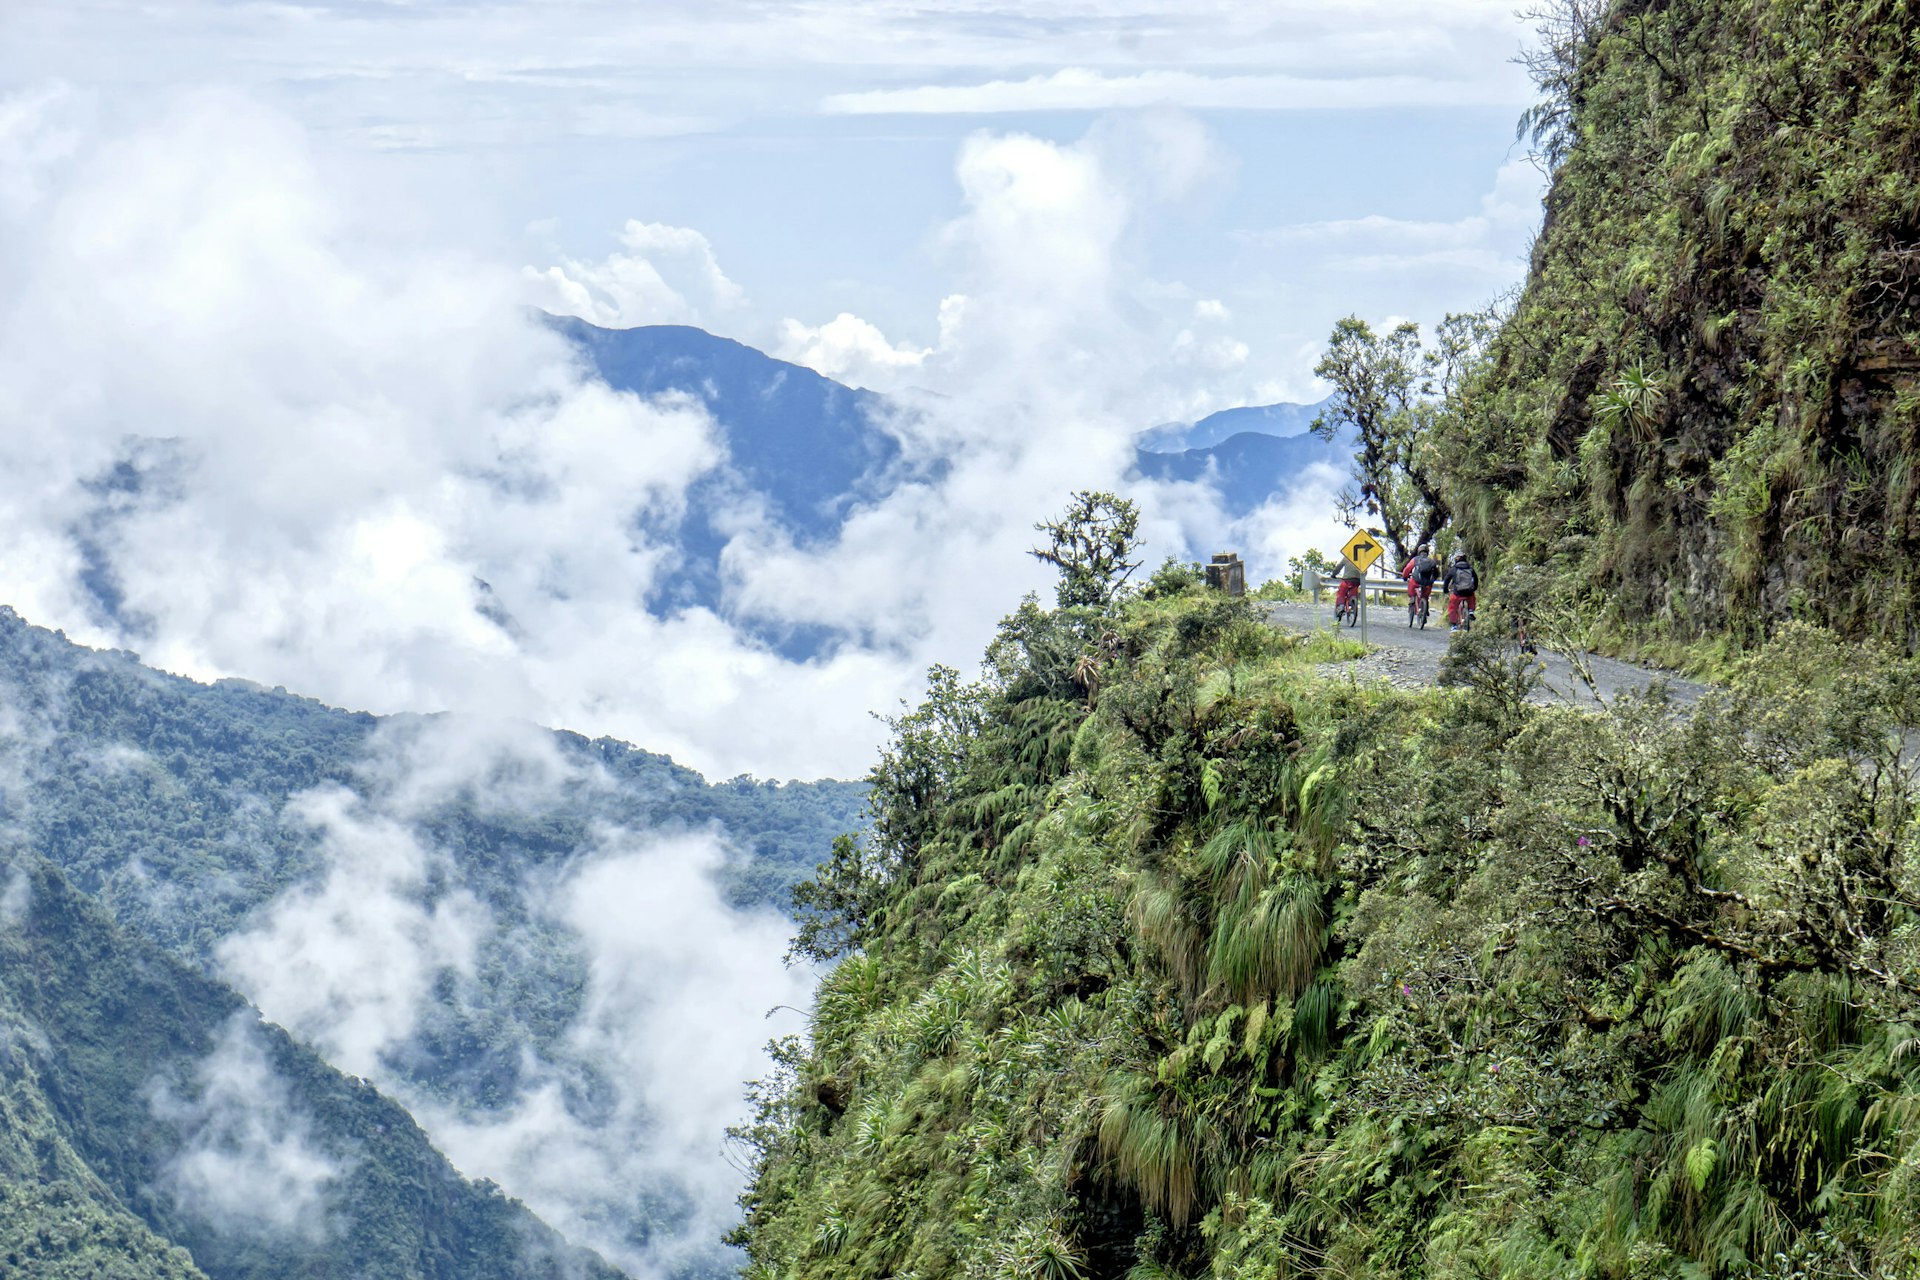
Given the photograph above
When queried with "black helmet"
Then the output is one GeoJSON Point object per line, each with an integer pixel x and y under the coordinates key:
{"type": "Point", "coordinates": [1459, 557]}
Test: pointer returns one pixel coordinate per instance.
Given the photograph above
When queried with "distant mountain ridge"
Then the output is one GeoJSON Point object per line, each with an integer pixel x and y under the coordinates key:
{"type": "Point", "coordinates": [810, 449]}
{"type": "Point", "coordinates": [811, 446]}
{"type": "Point", "coordinates": [1216, 428]}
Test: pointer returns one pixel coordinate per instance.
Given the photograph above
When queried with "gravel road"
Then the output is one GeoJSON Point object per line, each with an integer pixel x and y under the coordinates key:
{"type": "Point", "coordinates": [1408, 658]}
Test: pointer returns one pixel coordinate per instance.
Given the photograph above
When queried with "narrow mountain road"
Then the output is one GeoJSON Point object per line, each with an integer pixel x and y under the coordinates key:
{"type": "Point", "coordinates": [1410, 658]}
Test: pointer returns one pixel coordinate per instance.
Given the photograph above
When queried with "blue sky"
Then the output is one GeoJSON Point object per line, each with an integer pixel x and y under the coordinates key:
{"type": "Point", "coordinates": [814, 144]}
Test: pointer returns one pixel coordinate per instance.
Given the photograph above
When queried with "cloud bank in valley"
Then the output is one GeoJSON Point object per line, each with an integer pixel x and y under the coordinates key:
{"type": "Point", "coordinates": [614, 1131]}
{"type": "Point", "coordinates": [683, 994]}
{"type": "Point", "coordinates": [349, 961]}
{"type": "Point", "coordinates": [251, 429]}
{"type": "Point", "coordinates": [247, 1161]}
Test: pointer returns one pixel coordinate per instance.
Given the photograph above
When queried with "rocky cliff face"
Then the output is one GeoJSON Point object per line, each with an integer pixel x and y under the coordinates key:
{"type": "Point", "coordinates": [1706, 403]}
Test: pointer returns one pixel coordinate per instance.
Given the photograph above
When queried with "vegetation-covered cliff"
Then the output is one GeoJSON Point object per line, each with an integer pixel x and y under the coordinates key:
{"type": "Point", "coordinates": [1705, 406]}
{"type": "Point", "coordinates": [1172, 956]}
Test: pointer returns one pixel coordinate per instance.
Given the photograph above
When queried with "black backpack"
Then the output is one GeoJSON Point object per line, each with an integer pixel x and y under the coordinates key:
{"type": "Point", "coordinates": [1425, 570]}
{"type": "Point", "coordinates": [1464, 580]}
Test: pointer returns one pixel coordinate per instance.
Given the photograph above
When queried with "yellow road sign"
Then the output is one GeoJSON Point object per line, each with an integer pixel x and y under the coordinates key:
{"type": "Point", "coordinates": [1363, 550]}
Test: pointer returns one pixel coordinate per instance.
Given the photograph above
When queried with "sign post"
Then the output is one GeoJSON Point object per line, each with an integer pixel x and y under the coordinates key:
{"type": "Point", "coordinates": [1363, 550]}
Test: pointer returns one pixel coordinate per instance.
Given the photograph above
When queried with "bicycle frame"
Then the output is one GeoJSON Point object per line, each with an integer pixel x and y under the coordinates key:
{"type": "Point", "coordinates": [1419, 600]}
{"type": "Point", "coordinates": [1346, 601]}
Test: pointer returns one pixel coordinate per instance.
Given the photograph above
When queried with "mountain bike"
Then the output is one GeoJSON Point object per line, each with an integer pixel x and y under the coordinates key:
{"type": "Point", "coordinates": [1346, 604]}
{"type": "Point", "coordinates": [1419, 603]}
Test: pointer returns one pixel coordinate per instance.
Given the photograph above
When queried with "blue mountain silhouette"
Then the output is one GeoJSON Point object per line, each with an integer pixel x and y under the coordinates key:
{"type": "Point", "coordinates": [1217, 428]}
{"type": "Point", "coordinates": [807, 450]}
{"type": "Point", "coordinates": [1247, 468]}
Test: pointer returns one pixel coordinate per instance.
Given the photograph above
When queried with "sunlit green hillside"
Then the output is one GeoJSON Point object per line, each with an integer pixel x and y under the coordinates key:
{"type": "Point", "coordinates": [1175, 955]}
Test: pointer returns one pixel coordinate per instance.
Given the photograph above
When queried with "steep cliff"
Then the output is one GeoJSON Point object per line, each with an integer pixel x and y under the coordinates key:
{"type": "Point", "coordinates": [1705, 406]}
{"type": "Point", "coordinates": [1171, 956]}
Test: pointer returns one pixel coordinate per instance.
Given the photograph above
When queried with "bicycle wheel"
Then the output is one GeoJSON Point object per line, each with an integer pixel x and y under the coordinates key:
{"type": "Point", "coordinates": [1426, 607]}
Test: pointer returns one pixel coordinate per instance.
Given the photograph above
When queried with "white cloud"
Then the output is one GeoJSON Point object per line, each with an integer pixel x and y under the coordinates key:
{"type": "Point", "coordinates": [1488, 243]}
{"type": "Point", "coordinates": [348, 962]}
{"type": "Point", "coordinates": [850, 350]}
{"type": "Point", "coordinates": [668, 275]}
{"type": "Point", "coordinates": [489, 765]}
{"type": "Point", "coordinates": [1047, 364]}
{"type": "Point", "coordinates": [520, 72]}
{"type": "Point", "coordinates": [675, 1021]}
{"type": "Point", "coordinates": [366, 476]}
{"type": "Point", "coordinates": [247, 1162]}
{"type": "Point", "coordinates": [626, 1114]}
{"type": "Point", "coordinates": [1090, 89]}
{"type": "Point", "coordinates": [1040, 365]}
{"type": "Point", "coordinates": [1206, 343]}
{"type": "Point", "coordinates": [370, 478]}
{"type": "Point", "coordinates": [1298, 518]}
{"type": "Point", "coordinates": [36, 133]}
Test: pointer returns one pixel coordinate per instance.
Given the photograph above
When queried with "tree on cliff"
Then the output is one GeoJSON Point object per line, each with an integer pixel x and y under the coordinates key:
{"type": "Point", "coordinates": [1397, 396]}
{"type": "Point", "coordinates": [1090, 543]}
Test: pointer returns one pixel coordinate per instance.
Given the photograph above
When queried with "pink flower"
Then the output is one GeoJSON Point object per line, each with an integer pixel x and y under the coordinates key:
{"type": "Point", "coordinates": [1583, 842]}
{"type": "Point", "coordinates": [1405, 990]}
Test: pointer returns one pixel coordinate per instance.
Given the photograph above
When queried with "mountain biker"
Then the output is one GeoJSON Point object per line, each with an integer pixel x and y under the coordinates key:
{"type": "Point", "coordinates": [1462, 586]}
{"type": "Point", "coordinates": [1421, 572]}
{"type": "Point", "coordinates": [1349, 576]}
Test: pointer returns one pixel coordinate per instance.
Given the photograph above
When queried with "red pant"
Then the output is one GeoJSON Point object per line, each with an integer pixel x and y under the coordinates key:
{"type": "Point", "coordinates": [1457, 604]}
{"type": "Point", "coordinates": [1348, 592]}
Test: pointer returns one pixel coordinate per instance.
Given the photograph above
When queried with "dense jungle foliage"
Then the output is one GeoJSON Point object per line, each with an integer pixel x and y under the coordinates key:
{"type": "Point", "coordinates": [1170, 956]}
{"type": "Point", "coordinates": [117, 1148]}
{"type": "Point", "coordinates": [1704, 410]}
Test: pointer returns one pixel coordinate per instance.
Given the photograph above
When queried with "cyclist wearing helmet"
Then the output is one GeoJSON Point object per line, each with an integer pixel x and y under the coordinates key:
{"type": "Point", "coordinates": [1462, 585]}
{"type": "Point", "coordinates": [1421, 572]}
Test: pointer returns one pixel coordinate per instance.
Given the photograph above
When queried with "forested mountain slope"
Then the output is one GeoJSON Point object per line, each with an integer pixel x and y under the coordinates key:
{"type": "Point", "coordinates": [1172, 957]}
{"type": "Point", "coordinates": [146, 1108]}
{"type": "Point", "coordinates": [137, 776]}
{"type": "Point", "coordinates": [397, 891]}
{"type": "Point", "coordinates": [1706, 403]}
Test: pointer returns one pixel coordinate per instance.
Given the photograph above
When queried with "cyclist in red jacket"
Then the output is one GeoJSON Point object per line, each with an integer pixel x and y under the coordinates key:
{"type": "Point", "coordinates": [1421, 572]}
{"type": "Point", "coordinates": [1349, 575]}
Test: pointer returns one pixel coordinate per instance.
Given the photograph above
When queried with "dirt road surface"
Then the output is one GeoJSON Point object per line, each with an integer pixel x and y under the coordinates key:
{"type": "Point", "coordinates": [1410, 658]}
